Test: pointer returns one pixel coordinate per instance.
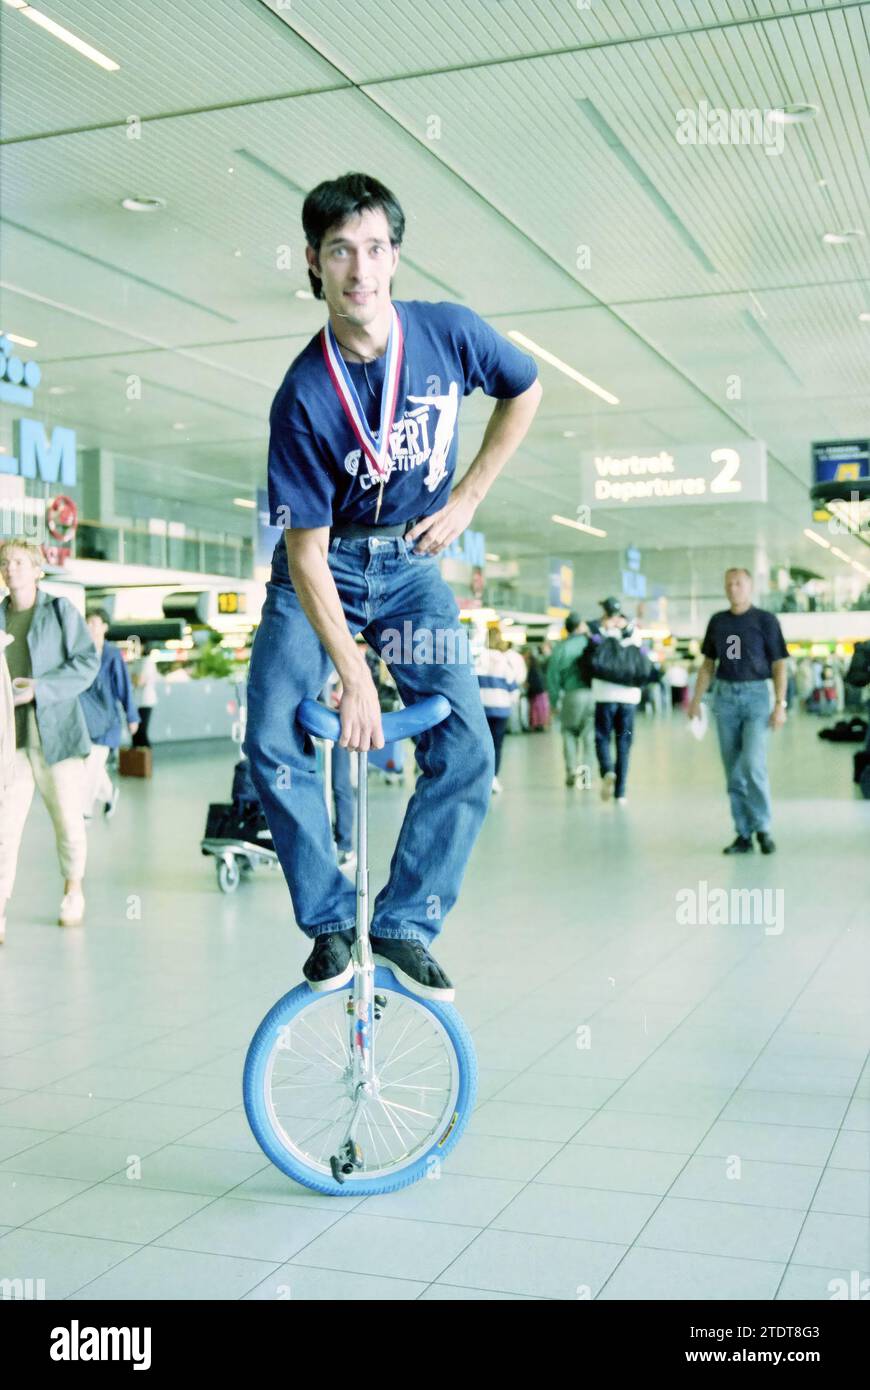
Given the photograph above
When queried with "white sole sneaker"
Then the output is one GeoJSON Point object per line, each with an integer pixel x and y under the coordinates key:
{"type": "Point", "coordinates": [443, 996]}
{"type": "Point", "coordinates": [72, 910]}
{"type": "Point", "coordinates": [326, 986]}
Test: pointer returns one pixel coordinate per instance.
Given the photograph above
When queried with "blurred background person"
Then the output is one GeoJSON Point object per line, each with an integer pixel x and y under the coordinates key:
{"type": "Point", "coordinates": [569, 685]}
{"type": "Point", "coordinates": [615, 705]}
{"type": "Point", "coordinates": [145, 677]}
{"type": "Point", "coordinates": [102, 703]}
{"type": "Point", "coordinates": [499, 689]}
{"type": "Point", "coordinates": [536, 690]}
{"type": "Point", "coordinates": [51, 660]}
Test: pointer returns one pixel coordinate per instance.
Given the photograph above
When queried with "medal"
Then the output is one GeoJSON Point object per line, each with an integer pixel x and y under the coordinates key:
{"type": "Point", "coordinates": [374, 445]}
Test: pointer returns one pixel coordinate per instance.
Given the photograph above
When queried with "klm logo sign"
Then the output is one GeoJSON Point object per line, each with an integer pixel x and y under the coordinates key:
{"type": "Point", "coordinates": [36, 456]}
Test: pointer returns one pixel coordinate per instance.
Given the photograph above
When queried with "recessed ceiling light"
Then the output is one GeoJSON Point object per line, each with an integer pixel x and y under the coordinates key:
{"type": "Point", "coordinates": [578, 526]}
{"type": "Point", "coordinates": [304, 294]}
{"type": "Point", "coordinates": [569, 434]}
{"type": "Point", "coordinates": [243, 502]}
{"type": "Point", "coordinates": [237, 253]}
{"type": "Point", "coordinates": [795, 113]}
{"type": "Point", "coordinates": [22, 342]}
{"type": "Point", "coordinates": [838, 238]}
{"type": "Point", "coordinates": [864, 316]}
{"type": "Point", "coordinates": [814, 536]}
{"type": "Point", "coordinates": [60, 390]}
{"type": "Point", "coordinates": [563, 367]}
{"type": "Point", "coordinates": [143, 204]}
{"type": "Point", "coordinates": [180, 426]}
{"type": "Point", "coordinates": [65, 35]}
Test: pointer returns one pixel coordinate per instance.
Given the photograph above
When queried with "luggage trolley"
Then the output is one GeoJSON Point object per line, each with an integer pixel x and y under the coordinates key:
{"type": "Point", "coordinates": [236, 833]}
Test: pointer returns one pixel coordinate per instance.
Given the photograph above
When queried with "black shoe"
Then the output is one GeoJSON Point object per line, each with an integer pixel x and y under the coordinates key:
{"type": "Point", "coordinates": [765, 843]}
{"type": "Point", "coordinates": [330, 966]}
{"type": "Point", "coordinates": [742, 845]}
{"type": "Point", "coordinates": [413, 967]}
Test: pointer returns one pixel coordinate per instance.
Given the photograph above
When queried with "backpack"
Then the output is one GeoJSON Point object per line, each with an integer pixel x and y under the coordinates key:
{"type": "Point", "coordinates": [858, 674]}
{"type": "Point", "coordinates": [621, 665]}
{"type": "Point", "coordinates": [583, 662]}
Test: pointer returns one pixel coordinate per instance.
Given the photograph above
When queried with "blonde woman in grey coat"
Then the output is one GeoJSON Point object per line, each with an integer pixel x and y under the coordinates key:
{"type": "Point", "coordinates": [51, 660]}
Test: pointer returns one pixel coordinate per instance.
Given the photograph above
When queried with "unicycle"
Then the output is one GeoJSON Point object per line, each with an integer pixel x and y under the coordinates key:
{"type": "Point", "coordinates": [365, 1088]}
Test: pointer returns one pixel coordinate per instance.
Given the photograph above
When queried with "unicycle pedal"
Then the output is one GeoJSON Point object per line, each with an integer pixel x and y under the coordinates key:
{"type": "Point", "coordinates": [349, 1157]}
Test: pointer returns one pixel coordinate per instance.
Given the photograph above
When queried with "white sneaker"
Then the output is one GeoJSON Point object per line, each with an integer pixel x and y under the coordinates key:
{"type": "Point", "coordinates": [72, 910]}
{"type": "Point", "coordinates": [496, 786]}
{"type": "Point", "coordinates": [621, 800]}
{"type": "Point", "coordinates": [608, 782]}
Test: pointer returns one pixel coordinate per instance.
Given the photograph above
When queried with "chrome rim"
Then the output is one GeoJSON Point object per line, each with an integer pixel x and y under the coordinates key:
{"type": "Point", "coordinates": [308, 1086]}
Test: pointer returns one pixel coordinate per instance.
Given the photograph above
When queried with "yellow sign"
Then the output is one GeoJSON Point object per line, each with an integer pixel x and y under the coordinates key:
{"type": "Point", "coordinates": [232, 603]}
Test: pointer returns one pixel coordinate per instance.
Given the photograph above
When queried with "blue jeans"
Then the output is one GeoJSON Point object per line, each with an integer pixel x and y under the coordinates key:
{"type": "Point", "coordinates": [342, 797]}
{"type": "Point", "coordinates": [610, 717]}
{"type": "Point", "coordinates": [391, 596]}
{"type": "Point", "coordinates": [742, 709]}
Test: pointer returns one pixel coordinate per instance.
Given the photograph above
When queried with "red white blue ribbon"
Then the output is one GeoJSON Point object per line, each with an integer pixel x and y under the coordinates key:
{"type": "Point", "coordinates": [375, 445]}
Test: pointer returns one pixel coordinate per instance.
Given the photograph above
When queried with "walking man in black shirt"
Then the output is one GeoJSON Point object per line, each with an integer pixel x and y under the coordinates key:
{"type": "Point", "coordinates": [744, 646]}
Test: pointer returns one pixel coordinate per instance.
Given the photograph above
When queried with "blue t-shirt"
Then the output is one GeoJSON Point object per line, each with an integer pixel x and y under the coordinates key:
{"type": "Point", "coordinates": [316, 475]}
{"type": "Point", "coordinates": [744, 644]}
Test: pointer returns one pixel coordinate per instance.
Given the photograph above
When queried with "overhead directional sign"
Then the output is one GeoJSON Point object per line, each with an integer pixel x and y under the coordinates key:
{"type": "Point", "coordinates": [690, 474]}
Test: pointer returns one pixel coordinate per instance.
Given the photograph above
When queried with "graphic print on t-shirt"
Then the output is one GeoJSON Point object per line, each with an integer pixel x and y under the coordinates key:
{"type": "Point", "coordinates": [423, 435]}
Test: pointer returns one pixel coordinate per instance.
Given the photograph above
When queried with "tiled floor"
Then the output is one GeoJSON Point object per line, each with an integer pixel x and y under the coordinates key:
{"type": "Point", "coordinates": [666, 1110]}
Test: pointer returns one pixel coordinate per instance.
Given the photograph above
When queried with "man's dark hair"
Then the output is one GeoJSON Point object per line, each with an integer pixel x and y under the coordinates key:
{"type": "Point", "coordinates": [572, 622]}
{"type": "Point", "coordinates": [102, 614]}
{"type": "Point", "coordinates": [333, 202]}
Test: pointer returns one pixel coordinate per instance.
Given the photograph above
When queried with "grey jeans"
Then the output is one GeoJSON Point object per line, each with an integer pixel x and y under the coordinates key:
{"type": "Point", "coordinates": [577, 716]}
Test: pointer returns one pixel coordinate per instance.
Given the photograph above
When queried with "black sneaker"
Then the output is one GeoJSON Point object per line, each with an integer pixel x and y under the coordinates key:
{"type": "Point", "coordinates": [742, 845]}
{"type": "Point", "coordinates": [765, 843]}
{"type": "Point", "coordinates": [413, 967]}
{"type": "Point", "coordinates": [330, 965]}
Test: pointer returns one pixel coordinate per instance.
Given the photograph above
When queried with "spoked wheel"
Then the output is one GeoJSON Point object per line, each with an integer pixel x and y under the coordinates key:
{"type": "Point", "coordinates": [299, 1093]}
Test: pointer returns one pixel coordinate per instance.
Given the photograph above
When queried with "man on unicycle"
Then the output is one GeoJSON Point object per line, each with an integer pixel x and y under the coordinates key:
{"type": "Point", "coordinates": [362, 457]}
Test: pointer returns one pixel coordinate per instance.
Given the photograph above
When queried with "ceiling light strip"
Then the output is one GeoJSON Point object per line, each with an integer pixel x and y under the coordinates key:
{"type": "Point", "coordinates": [561, 366]}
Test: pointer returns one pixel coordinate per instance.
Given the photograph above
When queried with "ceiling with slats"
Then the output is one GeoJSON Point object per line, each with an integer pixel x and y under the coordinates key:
{"type": "Point", "coordinates": [534, 145]}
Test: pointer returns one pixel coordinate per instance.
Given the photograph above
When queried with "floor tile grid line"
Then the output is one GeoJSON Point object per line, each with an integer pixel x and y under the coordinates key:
{"type": "Point", "coordinates": [832, 945]}
{"type": "Point", "coordinates": [180, 1138]}
{"type": "Point", "coordinates": [738, 963]}
{"type": "Point", "coordinates": [357, 1204]}
{"type": "Point", "coordinates": [809, 1209]}
{"type": "Point", "coordinates": [656, 965]}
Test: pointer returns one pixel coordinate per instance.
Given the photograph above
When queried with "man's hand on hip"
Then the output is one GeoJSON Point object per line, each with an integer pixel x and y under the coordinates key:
{"type": "Point", "coordinates": [360, 715]}
{"type": "Point", "coordinates": [437, 531]}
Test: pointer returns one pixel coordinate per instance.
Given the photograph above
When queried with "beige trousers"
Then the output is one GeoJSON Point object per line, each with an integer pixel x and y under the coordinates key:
{"type": "Point", "coordinates": [97, 784]}
{"type": "Point", "coordinates": [61, 787]}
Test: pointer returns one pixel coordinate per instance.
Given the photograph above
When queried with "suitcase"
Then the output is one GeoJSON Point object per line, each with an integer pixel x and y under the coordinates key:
{"type": "Point", "coordinates": [134, 762]}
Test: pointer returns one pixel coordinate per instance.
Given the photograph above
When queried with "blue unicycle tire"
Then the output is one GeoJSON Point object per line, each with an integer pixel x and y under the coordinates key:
{"type": "Point", "coordinates": [257, 1108]}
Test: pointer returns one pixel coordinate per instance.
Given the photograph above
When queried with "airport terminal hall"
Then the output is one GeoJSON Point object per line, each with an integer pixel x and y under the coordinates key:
{"type": "Point", "coordinates": [435, 666]}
